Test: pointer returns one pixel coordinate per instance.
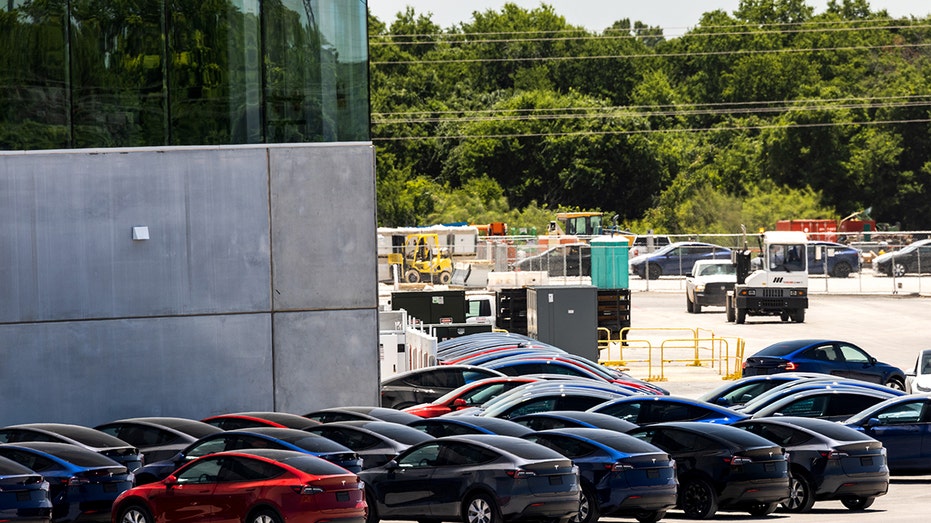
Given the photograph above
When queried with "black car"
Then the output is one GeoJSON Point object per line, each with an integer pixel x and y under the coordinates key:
{"type": "Point", "coordinates": [249, 420]}
{"type": "Point", "coordinates": [827, 461]}
{"type": "Point", "coordinates": [620, 474]}
{"type": "Point", "coordinates": [377, 442]}
{"type": "Point", "coordinates": [720, 467]}
{"type": "Point", "coordinates": [427, 384]}
{"type": "Point", "coordinates": [158, 437]}
{"type": "Point", "coordinates": [332, 414]}
{"type": "Point", "coordinates": [914, 258]}
{"type": "Point", "coordinates": [111, 447]}
{"type": "Point", "coordinates": [475, 479]}
{"type": "Point", "coordinates": [458, 425]}
{"type": "Point", "coordinates": [253, 438]}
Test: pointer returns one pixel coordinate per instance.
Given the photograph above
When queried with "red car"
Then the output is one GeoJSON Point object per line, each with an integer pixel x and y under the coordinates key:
{"type": "Point", "coordinates": [248, 420]}
{"type": "Point", "coordinates": [247, 486]}
{"type": "Point", "coordinates": [469, 395]}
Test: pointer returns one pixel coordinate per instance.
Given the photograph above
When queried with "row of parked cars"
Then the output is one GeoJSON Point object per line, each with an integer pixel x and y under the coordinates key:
{"type": "Point", "coordinates": [574, 443]}
{"type": "Point", "coordinates": [679, 258]}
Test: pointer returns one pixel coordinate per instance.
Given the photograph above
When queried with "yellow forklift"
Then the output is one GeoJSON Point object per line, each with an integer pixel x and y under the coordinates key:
{"type": "Point", "coordinates": [422, 259]}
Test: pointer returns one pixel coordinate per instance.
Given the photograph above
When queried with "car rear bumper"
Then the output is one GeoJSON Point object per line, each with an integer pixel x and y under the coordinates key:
{"type": "Point", "coordinates": [837, 487]}
{"type": "Point", "coordinates": [642, 499]}
{"type": "Point", "coordinates": [746, 493]}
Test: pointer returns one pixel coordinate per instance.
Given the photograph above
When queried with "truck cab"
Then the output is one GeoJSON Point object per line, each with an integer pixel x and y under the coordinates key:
{"type": "Point", "coordinates": [779, 287]}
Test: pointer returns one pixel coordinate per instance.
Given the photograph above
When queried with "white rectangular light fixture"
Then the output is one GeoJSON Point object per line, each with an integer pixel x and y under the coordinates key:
{"type": "Point", "coordinates": [140, 233]}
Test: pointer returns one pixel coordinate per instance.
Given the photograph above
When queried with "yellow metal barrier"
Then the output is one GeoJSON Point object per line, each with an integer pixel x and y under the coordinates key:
{"type": "Point", "coordinates": [704, 350]}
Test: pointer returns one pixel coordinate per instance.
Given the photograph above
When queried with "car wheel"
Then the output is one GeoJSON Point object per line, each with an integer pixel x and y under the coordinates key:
{"type": "Point", "coordinates": [895, 383]}
{"type": "Point", "coordinates": [480, 508]}
{"type": "Point", "coordinates": [371, 513]}
{"type": "Point", "coordinates": [697, 499]}
{"type": "Point", "coordinates": [588, 506]}
{"type": "Point", "coordinates": [729, 310]}
{"type": "Point", "coordinates": [860, 503]}
{"type": "Point", "coordinates": [762, 509]}
{"type": "Point", "coordinates": [654, 271]}
{"type": "Point", "coordinates": [801, 495]}
{"type": "Point", "coordinates": [412, 276]}
{"type": "Point", "coordinates": [741, 316]}
{"type": "Point", "coordinates": [650, 517]}
{"type": "Point", "coordinates": [264, 516]}
{"type": "Point", "coordinates": [784, 316]}
{"type": "Point", "coordinates": [898, 269]}
{"type": "Point", "coordinates": [799, 316]}
{"type": "Point", "coordinates": [689, 304]}
{"type": "Point", "coordinates": [841, 270]}
{"type": "Point", "coordinates": [135, 514]}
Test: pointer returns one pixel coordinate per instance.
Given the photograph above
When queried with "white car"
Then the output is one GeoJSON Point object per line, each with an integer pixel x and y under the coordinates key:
{"type": "Point", "coordinates": [918, 380]}
{"type": "Point", "coordinates": [708, 284]}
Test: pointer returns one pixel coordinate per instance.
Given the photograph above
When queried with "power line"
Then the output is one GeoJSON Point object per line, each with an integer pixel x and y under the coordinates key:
{"type": "Point", "coordinates": [691, 54]}
{"type": "Point", "coordinates": [654, 131]}
{"type": "Point", "coordinates": [679, 109]}
{"type": "Point", "coordinates": [452, 38]}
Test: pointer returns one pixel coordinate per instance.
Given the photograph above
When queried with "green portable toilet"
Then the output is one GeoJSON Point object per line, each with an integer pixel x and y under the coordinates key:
{"type": "Point", "coordinates": [609, 262]}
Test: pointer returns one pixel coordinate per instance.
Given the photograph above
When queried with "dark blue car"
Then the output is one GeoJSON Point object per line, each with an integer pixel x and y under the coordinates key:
{"type": "Point", "coordinates": [646, 410]}
{"type": "Point", "coordinates": [841, 260]}
{"type": "Point", "coordinates": [834, 357]}
{"type": "Point", "coordinates": [620, 474]}
{"type": "Point", "coordinates": [82, 483]}
{"type": "Point", "coordinates": [24, 494]}
{"type": "Point", "coordinates": [903, 425]}
{"type": "Point", "coordinates": [676, 259]}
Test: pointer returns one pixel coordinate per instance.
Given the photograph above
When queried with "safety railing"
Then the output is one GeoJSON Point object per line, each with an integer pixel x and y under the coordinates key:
{"type": "Point", "coordinates": [692, 350]}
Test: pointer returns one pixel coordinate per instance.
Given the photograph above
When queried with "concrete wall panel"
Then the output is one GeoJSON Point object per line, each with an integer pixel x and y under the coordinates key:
{"type": "Point", "coordinates": [95, 326]}
{"type": "Point", "coordinates": [67, 236]}
{"type": "Point", "coordinates": [323, 231]}
{"type": "Point", "coordinates": [99, 371]}
{"type": "Point", "coordinates": [326, 359]}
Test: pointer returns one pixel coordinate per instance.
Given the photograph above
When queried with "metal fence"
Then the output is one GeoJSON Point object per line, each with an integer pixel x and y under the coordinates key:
{"type": "Point", "coordinates": [568, 260]}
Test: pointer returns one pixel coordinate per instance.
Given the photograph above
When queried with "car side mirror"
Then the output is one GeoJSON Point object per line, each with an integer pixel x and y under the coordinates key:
{"type": "Point", "coordinates": [873, 361]}
{"type": "Point", "coordinates": [873, 422]}
{"type": "Point", "coordinates": [171, 481]}
{"type": "Point", "coordinates": [392, 465]}
{"type": "Point", "coordinates": [459, 403]}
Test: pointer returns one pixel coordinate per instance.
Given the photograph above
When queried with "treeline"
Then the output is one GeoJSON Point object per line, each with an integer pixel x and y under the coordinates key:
{"type": "Point", "coordinates": [766, 113]}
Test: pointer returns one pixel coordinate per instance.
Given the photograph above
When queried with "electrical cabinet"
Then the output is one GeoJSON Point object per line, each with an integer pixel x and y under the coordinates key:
{"type": "Point", "coordinates": [565, 316]}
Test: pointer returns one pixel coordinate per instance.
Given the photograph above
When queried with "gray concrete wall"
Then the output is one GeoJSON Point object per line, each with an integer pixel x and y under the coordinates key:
{"type": "Point", "coordinates": [256, 289]}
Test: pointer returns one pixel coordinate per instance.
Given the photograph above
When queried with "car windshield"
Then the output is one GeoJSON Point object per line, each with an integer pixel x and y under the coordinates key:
{"type": "Point", "coordinates": [718, 268]}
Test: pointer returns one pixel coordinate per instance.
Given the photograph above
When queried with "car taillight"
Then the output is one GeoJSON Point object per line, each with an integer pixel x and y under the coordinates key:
{"type": "Point", "coordinates": [620, 466]}
{"type": "Point", "coordinates": [791, 366]}
{"type": "Point", "coordinates": [832, 454]}
{"type": "Point", "coordinates": [738, 460]}
{"type": "Point", "coordinates": [75, 481]}
{"type": "Point", "coordinates": [521, 473]}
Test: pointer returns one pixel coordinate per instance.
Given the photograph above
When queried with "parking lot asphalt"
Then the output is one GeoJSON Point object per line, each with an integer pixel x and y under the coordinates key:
{"type": "Point", "coordinates": [889, 327]}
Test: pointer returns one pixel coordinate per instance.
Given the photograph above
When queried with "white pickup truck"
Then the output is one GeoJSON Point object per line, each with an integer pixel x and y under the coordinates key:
{"type": "Point", "coordinates": [708, 284]}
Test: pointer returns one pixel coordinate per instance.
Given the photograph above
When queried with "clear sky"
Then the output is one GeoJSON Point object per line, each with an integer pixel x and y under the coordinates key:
{"type": "Point", "coordinates": [675, 16]}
